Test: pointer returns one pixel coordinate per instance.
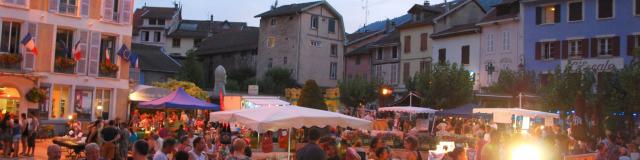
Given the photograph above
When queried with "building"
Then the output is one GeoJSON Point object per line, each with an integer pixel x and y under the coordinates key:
{"type": "Point", "coordinates": [589, 34]}
{"type": "Point", "coordinates": [500, 41]}
{"type": "Point", "coordinates": [307, 38]}
{"type": "Point", "coordinates": [188, 34]}
{"type": "Point", "coordinates": [154, 65]}
{"type": "Point", "coordinates": [234, 50]}
{"type": "Point", "coordinates": [456, 38]}
{"type": "Point", "coordinates": [357, 57]}
{"type": "Point", "coordinates": [416, 41]}
{"type": "Point", "coordinates": [152, 23]}
{"type": "Point", "coordinates": [385, 61]}
{"type": "Point", "coordinates": [92, 87]}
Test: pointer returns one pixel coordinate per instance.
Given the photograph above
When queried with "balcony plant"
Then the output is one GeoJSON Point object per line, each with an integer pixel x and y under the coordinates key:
{"type": "Point", "coordinates": [65, 64]}
{"type": "Point", "coordinates": [108, 69]}
{"type": "Point", "coordinates": [10, 61]}
{"type": "Point", "coordinates": [36, 95]}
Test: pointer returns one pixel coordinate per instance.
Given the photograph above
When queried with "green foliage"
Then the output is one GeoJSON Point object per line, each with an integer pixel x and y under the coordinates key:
{"type": "Point", "coordinates": [192, 70]}
{"type": "Point", "coordinates": [513, 83]}
{"type": "Point", "coordinates": [564, 85]}
{"type": "Point", "coordinates": [630, 85]}
{"type": "Point", "coordinates": [239, 80]}
{"type": "Point", "coordinates": [311, 96]}
{"type": "Point", "coordinates": [357, 91]}
{"type": "Point", "coordinates": [189, 87]}
{"type": "Point", "coordinates": [443, 86]}
{"type": "Point", "coordinates": [276, 80]}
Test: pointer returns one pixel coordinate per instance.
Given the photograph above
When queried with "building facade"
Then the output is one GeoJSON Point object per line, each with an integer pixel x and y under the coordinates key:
{"type": "Point", "coordinates": [94, 86]}
{"type": "Point", "coordinates": [154, 65]}
{"type": "Point", "coordinates": [357, 58]}
{"type": "Point", "coordinates": [587, 34]}
{"type": "Point", "coordinates": [152, 23]}
{"type": "Point", "coordinates": [500, 42]}
{"type": "Point", "coordinates": [307, 38]}
{"type": "Point", "coordinates": [188, 34]}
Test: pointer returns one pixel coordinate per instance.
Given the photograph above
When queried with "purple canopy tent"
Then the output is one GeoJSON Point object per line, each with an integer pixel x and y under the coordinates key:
{"type": "Point", "coordinates": [179, 99]}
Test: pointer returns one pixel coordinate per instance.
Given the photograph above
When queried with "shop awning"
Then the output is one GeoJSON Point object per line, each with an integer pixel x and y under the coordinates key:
{"type": "Point", "coordinates": [179, 99]}
{"type": "Point", "coordinates": [144, 93]}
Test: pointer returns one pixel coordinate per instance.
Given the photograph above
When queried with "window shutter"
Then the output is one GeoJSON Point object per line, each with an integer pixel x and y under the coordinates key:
{"type": "Point", "coordinates": [126, 11]}
{"type": "Point", "coordinates": [84, 8]}
{"type": "Point", "coordinates": [81, 66]}
{"type": "Point", "coordinates": [465, 55]}
{"type": "Point", "coordinates": [565, 49]}
{"type": "Point", "coordinates": [594, 47]}
{"type": "Point", "coordinates": [556, 14]}
{"type": "Point", "coordinates": [53, 5]}
{"type": "Point", "coordinates": [538, 50]}
{"type": "Point", "coordinates": [424, 37]}
{"type": "Point", "coordinates": [585, 48]}
{"type": "Point", "coordinates": [422, 65]}
{"type": "Point", "coordinates": [107, 10]}
{"type": "Point", "coordinates": [555, 49]}
{"type": "Point", "coordinates": [631, 42]}
{"type": "Point", "coordinates": [406, 73]}
{"type": "Point", "coordinates": [94, 53]}
{"type": "Point", "coordinates": [29, 58]}
{"type": "Point", "coordinates": [616, 45]}
{"type": "Point", "coordinates": [407, 44]}
{"type": "Point", "coordinates": [538, 15]}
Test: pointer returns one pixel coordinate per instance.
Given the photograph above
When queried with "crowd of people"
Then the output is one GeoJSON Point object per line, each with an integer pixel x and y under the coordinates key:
{"type": "Point", "coordinates": [18, 134]}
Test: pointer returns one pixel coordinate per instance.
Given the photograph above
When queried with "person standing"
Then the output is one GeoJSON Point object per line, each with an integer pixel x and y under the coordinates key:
{"type": "Point", "coordinates": [109, 135]}
{"type": "Point", "coordinates": [24, 123]}
{"type": "Point", "coordinates": [140, 150]}
{"type": "Point", "coordinates": [411, 145]}
{"type": "Point", "coordinates": [239, 145]}
{"type": "Point", "coordinates": [199, 146]}
{"type": "Point", "coordinates": [311, 151]}
{"type": "Point", "coordinates": [168, 147]}
{"type": "Point", "coordinates": [92, 151]}
{"type": "Point", "coordinates": [6, 135]}
{"type": "Point", "coordinates": [123, 147]}
{"type": "Point", "coordinates": [15, 137]}
{"type": "Point", "coordinates": [33, 128]}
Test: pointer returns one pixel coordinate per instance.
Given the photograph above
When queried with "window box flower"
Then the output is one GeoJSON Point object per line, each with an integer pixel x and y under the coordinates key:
{"type": "Point", "coordinates": [108, 69]}
{"type": "Point", "coordinates": [36, 95]}
{"type": "Point", "coordinates": [65, 65]}
{"type": "Point", "coordinates": [10, 61]}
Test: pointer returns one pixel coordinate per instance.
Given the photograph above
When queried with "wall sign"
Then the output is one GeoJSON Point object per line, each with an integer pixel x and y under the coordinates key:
{"type": "Point", "coordinates": [598, 65]}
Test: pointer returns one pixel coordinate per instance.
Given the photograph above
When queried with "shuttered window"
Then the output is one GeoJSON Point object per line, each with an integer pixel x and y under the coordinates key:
{"type": "Point", "coordinates": [10, 37]}
{"type": "Point", "coordinates": [407, 44]}
{"type": "Point", "coordinates": [29, 57]}
{"type": "Point", "coordinates": [442, 55]}
{"type": "Point", "coordinates": [81, 65]}
{"type": "Point", "coordinates": [633, 44]}
{"type": "Point", "coordinates": [424, 37]}
{"type": "Point", "coordinates": [547, 50]}
{"type": "Point", "coordinates": [575, 11]}
{"type": "Point", "coordinates": [605, 9]}
{"type": "Point", "coordinates": [406, 73]}
{"type": "Point", "coordinates": [84, 7]}
{"type": "Point", "coordinates": [94, 53]}
{"type": "Point", "coordinates": [465, 55]}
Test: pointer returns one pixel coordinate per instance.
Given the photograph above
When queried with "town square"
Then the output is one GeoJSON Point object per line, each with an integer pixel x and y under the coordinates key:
{"type": "Point", "coordinates": [320, 79]}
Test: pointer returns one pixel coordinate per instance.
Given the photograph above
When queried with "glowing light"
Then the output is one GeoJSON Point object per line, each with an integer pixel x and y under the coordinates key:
{"type": "Point", "coordinates": [553, 8]}
{"type": "Point", "coordinates": [386, 91]}
{"type": "Point", "coordinates": [70, 117]}
{"type": "Point", "coordinates": [99, 107]}
{"type": "Point", "coordinates": [526, 152]}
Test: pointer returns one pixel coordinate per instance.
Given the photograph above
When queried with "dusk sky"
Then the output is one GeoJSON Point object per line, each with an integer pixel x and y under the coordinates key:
{"type": "Point", "coordinates": [244, 10]}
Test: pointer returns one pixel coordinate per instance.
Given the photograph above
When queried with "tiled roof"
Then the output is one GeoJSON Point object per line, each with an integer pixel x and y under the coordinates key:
{"type": "Point", "coordinates": [359, 51]}
{"type": "Point", "coordinates": [200, 28]}
{"type": "Point", "coordinates": [158, 12]}
{"type": "Point", "coordinates": [357, 36]}
{"type": "Point", "coordinates": [511, 5]}
{"type": "Point", "coordinates": [246, 39]}
{"type": "Point", "coordinates": [151, 58]}
{"type": "Point", "coordinates": [390, 38]}
{"type": "Point", "coordinates": [457, 30]}
{"type": "Point", "coordinates": [288, 9]}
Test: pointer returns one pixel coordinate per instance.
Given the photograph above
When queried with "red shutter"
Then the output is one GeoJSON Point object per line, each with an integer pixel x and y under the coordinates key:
{"type": "Point", "coordinates": [631, 41]}
{"type": "Point", "coordinates": [555, 49]}
{"type": "Point", "coordinates": [616, 45]}
{"type": "Point", "coordinates": [538, 50]}
{"type": "Point", "coordinates": [594, 47]}
{"type": "Point", "coordinates": [407, 44]}
{"type": "Point", "coordinates": [565, 49]}
{"type": "Point", "coordinates": [585, 48]}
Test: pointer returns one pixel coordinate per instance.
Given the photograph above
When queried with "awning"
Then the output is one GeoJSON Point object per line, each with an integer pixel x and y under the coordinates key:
{"type": "Point", "coordinates": [267, 101]}
{"type": "Point", "coordinates": [144, 93]}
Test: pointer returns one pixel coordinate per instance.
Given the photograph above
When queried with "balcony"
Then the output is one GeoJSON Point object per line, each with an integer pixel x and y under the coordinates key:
{"type": "Point", "coordinates": [65, 65]}
{"type": "Point", "coordinates": [11, 62]}
{"type": "Point", "coordinates": [108, 70]}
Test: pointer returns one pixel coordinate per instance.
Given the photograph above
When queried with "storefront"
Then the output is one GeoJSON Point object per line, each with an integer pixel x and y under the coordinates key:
{"type": "Point", "coordinates": [13, 89]}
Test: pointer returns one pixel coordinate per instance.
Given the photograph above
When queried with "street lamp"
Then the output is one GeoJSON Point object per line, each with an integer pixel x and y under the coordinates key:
{"type": "Point", "coordinates": [385, 91]}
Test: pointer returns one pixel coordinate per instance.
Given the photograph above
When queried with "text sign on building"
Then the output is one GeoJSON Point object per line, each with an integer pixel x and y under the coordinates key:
{"type": "Point", "coordinates": [253, 90]}
{"type": "Point", "coordinates": [598, 65]}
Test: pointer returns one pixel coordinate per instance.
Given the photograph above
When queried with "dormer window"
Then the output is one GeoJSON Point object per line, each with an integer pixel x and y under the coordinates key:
{"type": "Point", "coordinates": [155, 21]}
{"type": "Point", "coordinates": [274, 21]}
{"type": "Point", "coordinates": [417, 17]}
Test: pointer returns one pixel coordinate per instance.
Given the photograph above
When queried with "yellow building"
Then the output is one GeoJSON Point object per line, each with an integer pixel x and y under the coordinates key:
{"type": "Point", "coordinates": [86, 89]}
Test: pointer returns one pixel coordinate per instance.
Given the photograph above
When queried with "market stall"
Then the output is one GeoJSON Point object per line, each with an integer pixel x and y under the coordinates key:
{"type": "Point", "coordinates": [520, 119]}
{"type": "Point", "coordinates": [144, 93]}
{"type": "Point", "coordinates": [179, 99]}
{"type": "Point", "coordinates": [238, 102]}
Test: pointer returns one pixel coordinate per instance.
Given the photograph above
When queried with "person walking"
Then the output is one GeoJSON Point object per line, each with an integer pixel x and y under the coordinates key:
{"type": "Point", "coordinates": [311, 151]}
{"type": "Point", "coordinates": [109, 135]}
{"type": "Point", "coordinates": [33, 128]}
{"type": "Point", "coordinates": [24, 123]}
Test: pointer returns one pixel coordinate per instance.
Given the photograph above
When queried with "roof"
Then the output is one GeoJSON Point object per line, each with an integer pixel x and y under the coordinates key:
{"type": "Point", "coordinates": [152, 58]}
{"type": "Point", "coordinates": [457, 30]}
{"type": "Point", "coordinates": [289, 9]}
{"type": "Point", "coordinates": [201, 28]}
{"type": "Point", "coordinates": [158, 12]}
{"type": "Point", "coordinates": [246, 39]}
{"type": "Point", "coordinates": [391, 38]}
{"type": "Point", "coordinates": [457, 4]}
{"type": "Point", "coordinates": [430, 8]}
{"type": "Point", "coordinates": [359, 51]}
{"type": "Point", "coordinates": [513, 11]}
{"type": "Point", "coordinates": [358, 36]}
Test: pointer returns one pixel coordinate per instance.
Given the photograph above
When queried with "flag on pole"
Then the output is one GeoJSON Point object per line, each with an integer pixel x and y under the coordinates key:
{"type": "Point", "coordinates": [77, 53]}
{"type": "Point", "coordinates": [30, 44]}
{"type": "Point", "coordinates": [133, 59]}
{"type": "Point", "coordinates": [124, 52]}
{"type": "Point", "coordinates": [137, 63]}
{"type": "Point", "coordinates": [107, 56]}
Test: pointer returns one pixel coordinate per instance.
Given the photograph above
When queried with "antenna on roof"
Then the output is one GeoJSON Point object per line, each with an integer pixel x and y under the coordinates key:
{"type": "Point", "coordinates": [426, 3]}
{"type": "Point", "coordinates": [145, 4]}
{"type": "Point", "coordinates": [275, 5]}
{"type": "Point", "coordinates": [366, 12]}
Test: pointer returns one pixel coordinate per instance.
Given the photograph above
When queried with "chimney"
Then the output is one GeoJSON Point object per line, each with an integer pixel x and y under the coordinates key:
{"type": "Point", "coordinates": [210, 26]}
{"type": "Point", "coordinates": [387, 25]}
{"type": "Point", "coordinates": [426, 3]}
{"type": "Point", "coordinates": [175, 4]}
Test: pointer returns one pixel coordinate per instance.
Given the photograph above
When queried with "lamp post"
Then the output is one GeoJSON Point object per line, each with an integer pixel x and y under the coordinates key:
{"type": "Point", "coordinates": [385, 91]}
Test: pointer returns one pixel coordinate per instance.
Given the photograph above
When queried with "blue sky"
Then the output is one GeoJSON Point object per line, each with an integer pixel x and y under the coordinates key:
{"type": "Point", "coordinates": [244, 10]}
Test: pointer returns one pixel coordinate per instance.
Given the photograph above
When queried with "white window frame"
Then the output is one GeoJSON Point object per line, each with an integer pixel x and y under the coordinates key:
{"type": "Point", "coordinates": [333, 70]}
{"type": "Point", "coordinates": [506, 41]}
{"type": "Point", "coordinates": [569, 10]}
{"type": "Point", "coordinates": [613, 14]}
{"type": "Point", "coordinates": [574, 48]}
{"type": "Point", "coordinates": [543, 21]}
{"type": "Point", "coordinates": [19, 34]}
{"type": "Point", "coordinates": [490, 42]}
{"type": "Point", "coordinates": [315, 43]}
{"type": "Point", "coordinates": [157, 36]}
{"type": "Point", "coordinates": [546, 48]}
{"type": "Point", "coordinates": [607, 48]}
{"type": "Point", "coordinates": [315, 20]}
{"type": "Point", "coordinates": [61, 4]}
{"type": "Point", "coordinates": [13, 4]}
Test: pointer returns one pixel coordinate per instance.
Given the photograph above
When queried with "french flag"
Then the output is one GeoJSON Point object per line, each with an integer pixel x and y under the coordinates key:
{"type": "Point", "coordinates": [107, 56]}
{"type": "Point", "coordinates": [28, 43]}
{"type": "Point", "coordinates": [77, 51]}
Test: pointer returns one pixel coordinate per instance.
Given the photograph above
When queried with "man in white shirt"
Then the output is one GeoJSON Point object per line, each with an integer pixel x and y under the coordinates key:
{"type": "Point", "coordinates": [197, 153]}
{"type": "Point", "coordinates": [168, 147]}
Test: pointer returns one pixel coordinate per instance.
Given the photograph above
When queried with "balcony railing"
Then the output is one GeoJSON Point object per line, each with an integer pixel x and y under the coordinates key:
{"type": "Point", "coordinates": [11, 62]}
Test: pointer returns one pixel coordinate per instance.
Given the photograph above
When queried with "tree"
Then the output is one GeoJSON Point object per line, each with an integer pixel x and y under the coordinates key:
{"type": "Point", "coordinates": [357, 91]}
{"type": "Point", "coordinates": [443, 85]}
{"type": "Point", "coordinates": [513, 83]}
{"type": "Point", "coordinates": [276, 80]}
{"type": "Point", "coordinates": [189, 87]}
{"type": "Point", "coordinates": [240, 79]}
{"type": "Point", "coordinates": [311, 96]}
{"type": "Point", "coordinates": [192, 69]}
{"type": "Point", "coordinates": [629, 78]}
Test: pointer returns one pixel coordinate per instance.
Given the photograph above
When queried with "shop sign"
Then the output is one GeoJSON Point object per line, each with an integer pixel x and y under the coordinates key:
{"type": "Point", "coordinates": [597, 64]}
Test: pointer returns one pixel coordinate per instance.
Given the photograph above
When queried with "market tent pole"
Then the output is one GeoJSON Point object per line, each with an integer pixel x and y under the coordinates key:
{"type": "Point", "coordinates": [434, 122]}
{"type": "Point", "coordinates": [289, 144]}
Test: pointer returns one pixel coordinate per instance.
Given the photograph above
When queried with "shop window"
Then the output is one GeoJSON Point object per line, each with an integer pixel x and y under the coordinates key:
{"type": "Point", "coordinates": [60, 99]}
{"type": "Point", "coordinates": [44, 107]}
{"type": "Point", "coordinates": [9, 100]}
{"type": "Point", "coordinates": [10, 37]}
{"type": "Point", "coordinates": [82, 103]}
{"type": "Point", "coordinates": [103, 103]}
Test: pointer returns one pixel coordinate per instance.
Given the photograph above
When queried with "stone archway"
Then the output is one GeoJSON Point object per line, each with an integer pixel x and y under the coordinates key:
{"type": "Point", "coordinates": [22, 86]}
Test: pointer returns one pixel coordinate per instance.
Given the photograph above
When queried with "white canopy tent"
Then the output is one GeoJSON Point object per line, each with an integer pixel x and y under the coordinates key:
{"type": "Point", "coordinates": [503, 115]}
{"type": "Point", "coordinates": [144, 93]}
{"type": "Point", "coordinates": [407, 109]}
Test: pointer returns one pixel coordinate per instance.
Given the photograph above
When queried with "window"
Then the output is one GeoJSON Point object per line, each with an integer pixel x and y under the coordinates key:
{"type": "Point", "coordinates": [574, 47]}
{"type": "Point", "coordinates": [333, 70]}
{"type": "Point", "coordinates": [332, 25]}
{"type": "Point", "coordinates": [107, 46]}
{"type": "Point", "coordinates": [636, 9]}
{"type": "Point", "coordinates": [394, 73]}
{"type": "Point", "coordinates": [60, 99]}
{"type": "Point", "coordinates": [506, 41]}
{"type": "Point", "coordinates": [379, 55]}
{"type": "Point", "coordinates": [406, 73]}
{"type": "Point", "coordinates": [417, 17]}
{"type": "Point", "coordinates": [22, 3]}
{"type": "Point", "coordinates": [334, 50]}
{"type": "Point", "coordinates": [270, 63]}
{"type": "Point", "coordinates": [155, 21]}
{"type": "Point", "coordinates": [490, 42]}
{"type": "Point", "coordinates": [274, 21]}
{"type": "Point", "coordinates": [605, 46]}
{"type": "Point", "coordinates": [424, 37]}
{"type": "Point", "coordinates": [315, 43]}
{"type": "Point", "coordinates": [314, 22]}
{"type": "Point", "coordinates": [605, 9]}
{"type": "Point", "coordinates": [442, 55]}
{"type": "Point", "coordinates": [196, 42]}
{"type": "Point", "coordinates": [175, 43]}
{"type": "Point", "coordinates": [358, 60]}
{"type": "Point", "coordinates": [82, 103]}
{"type": "Point", "coordinates": [271, 42]}
{"type": "Point", "coordinates": [64, 44]}
{"type": "Point", "coordinates": [144, 36]}
{"type": "Point", "coordinates": [547, 50]}
{"type": "Point", "coordinates": [548, 14]}
{"type": "Point", "coordinates": [465, 55]}
{"type": "Point", "coordinates": [10, 37]}
{"type": "Point", "coordinates": [103, 103]}
{"type": "Point", "coordinates": [68, 7]}
{"type": "Point", "coordinates": [394, 52]}
{"type": "Point", "coordinates": [156, 37]}
{"type": "Point", "coordinates": [111, 10]}
{"type": "Point", "coordinates": [407, 44]}
{"type": "Point", "coordinates": [575, 11]}
{"type": "Point", "coordinates": [284, 60]}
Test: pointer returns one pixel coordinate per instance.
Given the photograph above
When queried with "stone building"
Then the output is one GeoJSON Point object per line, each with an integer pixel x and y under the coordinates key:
{"type": "Point", "coordinates": [188, 34]}
{"type": "Point", "coordinates": [150, 24]}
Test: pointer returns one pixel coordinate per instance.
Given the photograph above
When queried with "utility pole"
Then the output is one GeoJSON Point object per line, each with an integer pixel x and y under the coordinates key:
{"type": "Point", "coordinates": [366, 12]}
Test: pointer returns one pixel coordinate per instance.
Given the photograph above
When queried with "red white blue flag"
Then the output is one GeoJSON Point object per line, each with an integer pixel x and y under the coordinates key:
{"type": "Point", "coordinates": [30, 44]}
